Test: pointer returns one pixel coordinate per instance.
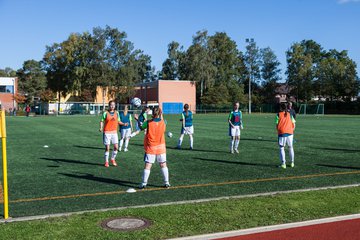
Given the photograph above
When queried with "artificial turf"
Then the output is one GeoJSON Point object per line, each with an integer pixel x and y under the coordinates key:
{"type": "Point", "coordinates": [73, 162]}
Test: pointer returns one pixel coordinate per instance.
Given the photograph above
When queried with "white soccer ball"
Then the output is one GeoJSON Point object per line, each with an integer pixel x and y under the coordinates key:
{"type": "Point", "coordinates": [169, 134]}
{"type": "Point", "coordinates": [136, 102]}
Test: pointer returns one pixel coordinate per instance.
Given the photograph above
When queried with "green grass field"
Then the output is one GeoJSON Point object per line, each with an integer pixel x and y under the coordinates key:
{"type": "Point", "coordinates": [69, 175]}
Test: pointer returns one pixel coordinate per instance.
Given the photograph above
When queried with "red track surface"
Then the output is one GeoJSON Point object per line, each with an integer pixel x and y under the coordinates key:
{"type": "Point", "coordinates": [341, 230]}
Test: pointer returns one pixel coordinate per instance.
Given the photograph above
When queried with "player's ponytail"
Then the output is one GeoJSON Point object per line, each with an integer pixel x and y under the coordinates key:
{"type": "Point", "coordinates": [186, 108]}
{"type": "Point", "coordinates": [157, 112]}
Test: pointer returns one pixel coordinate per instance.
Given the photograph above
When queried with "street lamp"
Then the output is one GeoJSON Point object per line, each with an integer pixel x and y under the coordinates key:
{"type": "Point", "coordinates": [249, 41]}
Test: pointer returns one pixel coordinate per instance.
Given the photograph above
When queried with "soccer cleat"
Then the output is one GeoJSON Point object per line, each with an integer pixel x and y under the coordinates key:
{"type": "Point", "coordinates": [283, 166]}
{"type": "Point", "coordinates": [191, 148]}
{"type": "Point", "coordinates": [113, 162]}
{"type": "Point", "coordinates": [133, 135]}
{"type": "Point", "coordinates": [292, 164]}
{"type": "Point", "coordinates": [142, 186]}
{"type": "Point", "coordinates": [106, 164]}
{"type": "Point", "coordinates": [126, 150]}
{"type": "Point", "coordinates": [232, 151]}
{"type": "Point", "coordinates": [237, 151]}
{"type": "Point", "coordinates": [167, 185]}
{"type": "Point", "coordinates": [178, 147]}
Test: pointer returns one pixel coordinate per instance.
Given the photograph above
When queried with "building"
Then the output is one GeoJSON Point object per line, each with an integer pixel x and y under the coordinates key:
{"type": "Point", "coordinates": [8, 89]}
{"type": "Point", "coordinates": [171, 95]}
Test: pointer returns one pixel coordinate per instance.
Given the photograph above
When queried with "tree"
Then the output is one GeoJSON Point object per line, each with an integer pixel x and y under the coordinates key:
{"type": "Point", "coordinates": [32, 80]}
{"type": "Point", "coordinates": [226, 58]}
{"type": "Point", "coordinates": [337, 77]}
{"type": "Point", "coordinates": [300, 72]}
{"type": "Point", "coordinates": [104, 58]}
{"type": "Point", "coordinates": [198, 65]}
{"type": "Point", "coordinates": [7, 72]}
{"type": "Point", "coordinates": [270, 73]}
{"type": "Point", "coordinates": [217, 95]}
{"type": "Point", "coordinates": [170, 67]}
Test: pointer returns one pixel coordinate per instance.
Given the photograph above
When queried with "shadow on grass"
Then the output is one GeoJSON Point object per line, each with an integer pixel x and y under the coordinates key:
{"type": "Point", "coordinates": [236, 162]}
{"type": "Point", "coordinates": [257, 140]}
{"type": "Point", "coordinates": [337, 166]}
{"type": "Point", "coordinates": [345, 150]}
{"type": "Point", "coordinates": [91, 177]}
{"type": "Point", "coordinates": [196, 150]}
{"type": "Point", "coordinates": [59, 160]}
{"type": "Point", "coordinates": [90, 147]}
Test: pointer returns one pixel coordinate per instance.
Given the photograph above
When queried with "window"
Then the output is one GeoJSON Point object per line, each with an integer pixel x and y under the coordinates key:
{"type": "Point", "coordinates": [6, 89]}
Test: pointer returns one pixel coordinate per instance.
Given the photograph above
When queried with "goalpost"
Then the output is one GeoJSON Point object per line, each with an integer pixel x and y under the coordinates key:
{"type": "Point", "coordinates": [312, 109]}
{"type": "Point", "coordinates": [4, 163]}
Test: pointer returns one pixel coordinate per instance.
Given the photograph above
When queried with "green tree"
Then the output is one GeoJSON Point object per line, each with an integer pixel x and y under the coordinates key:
{"type": "Point", "coordinates": [32, 80]}
{"type": "Point", "coordinates": [226, 58]}
{"type": "Point", "coordinates": [299, 72]}
{"type": "Point", "coordinates": [198, 65]}
{"type": "Point", "coordinates": [270, 74]}
{"type": "Point", "coordinates": [7, 72]}
{"type": "Point", "coordinates": [171, 66]}
{"type": "Point", "coordinates": [337, 76]}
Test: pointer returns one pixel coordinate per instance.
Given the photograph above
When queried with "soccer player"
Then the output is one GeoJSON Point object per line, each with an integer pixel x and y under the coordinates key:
{"type": "Point", "coordinates": [235, 124]}
{"type": "Point", "coordinates": [187, 127]}
{"type": "Point", "coordinates": [125, 131]}
{"type": "Point", "coordinates": [140, 119]}
{"type": "Point", "coordinates": [291, 110]}
{"type": "Point", "coordinates": [154, 146]}
{"type": "Point", "coordinates": [109, 126]}
{"type": "Point", "coordinates": [285, 125]}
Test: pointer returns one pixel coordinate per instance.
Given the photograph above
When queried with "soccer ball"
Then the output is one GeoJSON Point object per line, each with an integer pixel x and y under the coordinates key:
{"type": "Point", "coordinates": [169, 134]}
{"type": "Point", "coordinates": [136, 102]}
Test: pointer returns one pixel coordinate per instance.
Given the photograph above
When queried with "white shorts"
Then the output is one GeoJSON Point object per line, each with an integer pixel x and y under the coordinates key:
{"type": "Point", "coordinates": [283, 141]}
{"type": "Point", "coordinates": [110, 138]}
{"type": "Point", "coordinates": [187, 130]}
{"type": "Point", "coordinates": [234, 131]}
{"type": "Point", "coordinates": [150, 158]}
{"type": "Point", "coordinates": [125, 133]}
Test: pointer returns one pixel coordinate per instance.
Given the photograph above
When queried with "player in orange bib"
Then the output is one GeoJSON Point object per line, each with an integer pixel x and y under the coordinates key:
{"type": "Point", "coordinates": [154, 146]}
{"type": "Point", "coordinates": [285, 125]}
{"type": "Point", "coordinates": [109, 126]}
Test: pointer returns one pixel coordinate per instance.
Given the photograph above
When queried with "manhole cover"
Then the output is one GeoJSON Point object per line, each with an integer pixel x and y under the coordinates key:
{"type": "Point", "coordinates": [125, 224]}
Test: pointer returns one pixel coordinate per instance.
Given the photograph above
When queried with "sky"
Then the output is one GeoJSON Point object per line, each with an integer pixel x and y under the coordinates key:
{"type": "Point", "coordinates": [28, 26]}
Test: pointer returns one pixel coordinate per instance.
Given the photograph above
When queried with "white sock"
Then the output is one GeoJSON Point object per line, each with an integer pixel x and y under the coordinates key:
{"type": "Point", "coordinates": [106, 155]}
{"type": "Point", "coordinates": [237, 141]}
{"type": "Point", "coordinates": [180, 140]}
{"type": "Point", "coordinates": [126, 143]}
{"type": "Point", "coordinates": [292, 155]}
{"type": "Point", "coordinates": [282, 155]}
{"type": "Point", "coordinates": [145, 176]}
{"type": "Point", "coordinates": [121, 144]}
{"type": "Point", "coordinates": [232, 144]}
{"type": "Point", "coordinates": [165, 172]}
{"type": "Point", "coordinates": [191, 141]}
{"type": "Point", "coordinates": [113, 155]}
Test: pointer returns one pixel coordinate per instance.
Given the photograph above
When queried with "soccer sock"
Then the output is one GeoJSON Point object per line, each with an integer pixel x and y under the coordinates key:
{"type": "Point", "coordinates": [145, 177]}
{"type": "Point", "coordinates": [232, 144]}
{"type": "Point", "coordinates": [282, 155]}
{"type": "Point", "coordinates": [180, 140]}
{"type": "Point", "coordinates": [126, 142]}
{"type": "Point", "coordinates": [237, 141]}
{"type": "Point", "coordinates": [106, 156]}
{"type": "Point", "coordinates": [113, 155]}
{"type": "Point", "coordinates": [191, 141]}
{"type": "Point", "coordinates": [121, 144]}
{"type": "Point", "coordinates": [292, 155]}
{"type": "Point", "coordinates": [165, 172]}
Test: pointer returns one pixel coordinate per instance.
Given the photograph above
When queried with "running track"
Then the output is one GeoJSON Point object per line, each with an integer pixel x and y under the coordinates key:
{"type": "Point", "coordinates": [342, 230]}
